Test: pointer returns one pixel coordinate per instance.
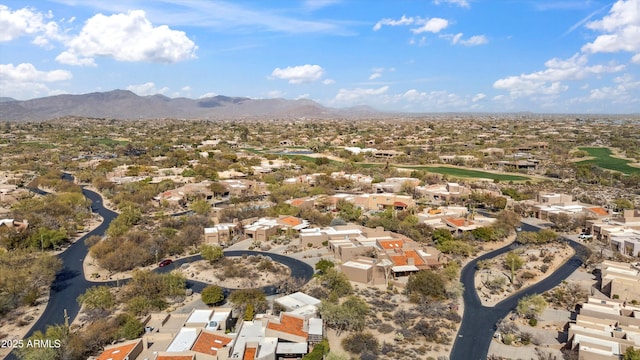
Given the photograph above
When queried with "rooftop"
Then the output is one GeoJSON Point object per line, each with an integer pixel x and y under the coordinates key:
{"type": "Point", "coordinates": [210, 343]}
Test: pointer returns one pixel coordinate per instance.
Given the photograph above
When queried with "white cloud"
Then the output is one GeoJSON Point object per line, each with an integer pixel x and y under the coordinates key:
{"type": "Point", "coordinates": [148, 88]}
{"type": "Point", "coordinates": [475, 40]}
{"type": "Point", "coordinates": [460, 3]}
{"type": "Point", "coordinates": [625, 90]}
{"type": "Point", "coordinates": [299, 74]}
{"type": "Point", "coordinates": [25, 81]}
{"type": "Point", "coordinates": [328, 81]}
{"type": "Point", "coordinates": [353, 96]}
{"type": "Point", "coordinates": [621, 28]}
{"type": "Point", "coordinates": [472, 41]}
{"type": "Point", "coordinates": [303, 96]}
{"type": "Point", "coordinates": [70, 58]}
{"type": "Point", "coordinates": [478, 97]}
{"type": "Point", "coordinates": [636, 59]}
{"type": "Point", "coordinates": [434, 25]}
{"type": "Point", "coordinates": [128, 37]}
{"type": "Point", "coordinates": [404, 20]}
{"type": "Point", "coordinates": [15, 24]}
{"type": "Point", "coordinates": [549, 81]}
{"type": "Point", "coordinates": [27, 72]}
{"type": "Point", "coordinates": [208, 95]}
{"type": "Point", "coordinates": [375, 75]}
{"type": "Point", "coordinates": [433, 100]}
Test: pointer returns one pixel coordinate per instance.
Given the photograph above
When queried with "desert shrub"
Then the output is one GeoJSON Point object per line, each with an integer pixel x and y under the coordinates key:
{"type": "Point", "coordinates": [528, 275]}
{"type": "Point", "coordinates": [544, 268]}
{"type": "Point", "coordinates": [358, 343]}
{"type": "Point", "coordinates": [429, 330]}
{"type": "Point", "coordinates": [386, 328]}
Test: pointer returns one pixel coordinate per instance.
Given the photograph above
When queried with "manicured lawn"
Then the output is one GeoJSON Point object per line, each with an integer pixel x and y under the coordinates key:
{"type": "Point", "coordinates": [602, 158]}
{"type": "Point", "coordinates": [455, 172]}
{"type": "Point", "coordinates": [465, 173]}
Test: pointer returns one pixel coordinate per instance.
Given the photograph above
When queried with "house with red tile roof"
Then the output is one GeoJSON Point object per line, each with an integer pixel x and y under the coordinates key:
{"type": "Point", "coordinates": [597, 211]}
{"type": "Point", "coordinates": [168, 356]}
{"type": "Point", "coordinates": [125, 351]}
{"type": "Point", "coordinates": [288, 327]}
{"type": "Point", "coordinates": [210, 343]}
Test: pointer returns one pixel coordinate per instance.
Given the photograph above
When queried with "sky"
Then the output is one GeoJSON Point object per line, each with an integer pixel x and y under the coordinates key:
{"type": "Point", "coordinates": [543, 56]}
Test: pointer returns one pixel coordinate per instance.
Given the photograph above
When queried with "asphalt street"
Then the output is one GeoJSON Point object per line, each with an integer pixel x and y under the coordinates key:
{"type": "Point", "coordinates": [70, 282]}
{"type": "Point", "coordinates": [479, 322]}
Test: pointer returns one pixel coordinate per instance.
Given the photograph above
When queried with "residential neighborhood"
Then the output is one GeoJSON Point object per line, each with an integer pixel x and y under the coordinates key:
{"type": "Point", "coordinates": [270, 250]}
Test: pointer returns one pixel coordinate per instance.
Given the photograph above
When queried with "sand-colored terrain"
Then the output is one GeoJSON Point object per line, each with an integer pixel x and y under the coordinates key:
{"type": "Point", "coordinates": [535, 258]}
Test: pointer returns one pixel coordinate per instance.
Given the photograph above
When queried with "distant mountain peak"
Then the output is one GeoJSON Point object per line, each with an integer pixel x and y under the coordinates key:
{"type": "Point", "coordinates": [124, 104]}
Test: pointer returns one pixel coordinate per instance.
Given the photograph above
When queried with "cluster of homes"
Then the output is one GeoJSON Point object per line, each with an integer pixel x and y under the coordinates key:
{"type": "Point", "coordinates": [606, 327]}
{"type": "Point", "coordinates": [622, 232]}
{"type": "Point", "coordinates": [215, 334]}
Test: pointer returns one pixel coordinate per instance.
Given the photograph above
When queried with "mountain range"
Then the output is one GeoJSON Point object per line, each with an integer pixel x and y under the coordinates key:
{"type": "Point", "coordinates": [124, 104]}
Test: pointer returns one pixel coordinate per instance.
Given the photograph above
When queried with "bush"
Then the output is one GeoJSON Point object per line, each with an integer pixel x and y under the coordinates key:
{"type": "Point", "coordinates": [544, 268]}
{"type": "Point", "coordinates": [318, 352]}
{"type": "Point", "coordinates": [528, 275]}
{"type": "Point", "coordinates": [386, 328]}
{"type": "Point", "coordinates": [359, 343]}
{"type": "Point", "coordinates": [533, 321]}
{"type": "Point", "coordinates": [212, 295]}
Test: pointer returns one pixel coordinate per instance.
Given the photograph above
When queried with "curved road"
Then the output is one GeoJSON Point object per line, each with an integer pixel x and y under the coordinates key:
{"type": "Point", "coordinates": [479, 322]}
{"type": "Point", "coordinates": [70, 282]}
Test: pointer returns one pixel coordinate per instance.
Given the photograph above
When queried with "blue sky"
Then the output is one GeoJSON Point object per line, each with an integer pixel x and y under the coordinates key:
{"type": "Point", "coordinates": [560, 56]}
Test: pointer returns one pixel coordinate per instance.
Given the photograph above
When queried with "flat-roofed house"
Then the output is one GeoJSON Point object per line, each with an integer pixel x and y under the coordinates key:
{"type": "Point", "coordinates": [604, 329]}
{"type": "Point", "coordinates": [620, 280]}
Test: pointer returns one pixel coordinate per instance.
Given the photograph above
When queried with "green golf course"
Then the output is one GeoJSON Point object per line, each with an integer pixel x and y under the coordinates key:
{"type": "Point", "coordinates": [602, 158]}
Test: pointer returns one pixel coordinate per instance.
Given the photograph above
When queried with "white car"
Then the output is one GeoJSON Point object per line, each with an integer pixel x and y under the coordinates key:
{"type": "Point", "coordinates": [585, 236]}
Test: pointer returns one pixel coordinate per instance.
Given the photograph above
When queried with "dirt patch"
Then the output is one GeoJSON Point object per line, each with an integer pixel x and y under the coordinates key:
{"type": "Point", "coordinates": [493, 281]}
{"type": "Point", "coordinates": [238, 272]}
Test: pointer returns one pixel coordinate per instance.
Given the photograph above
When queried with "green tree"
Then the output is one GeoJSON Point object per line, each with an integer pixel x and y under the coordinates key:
{"type": "Point", "coordinates": [531, 306]}
{"type": "Point", "coordinates": [350, 315]}
{"type": "Point", "coordinates": [348, 211]}
{"type": "Point", "coordinates": [631, 354]}
{"type": "Point", "coordinates": [242, 298]}
{"type": "Point", "coordinates": [97, 297]}
{"type": "Point", "coordinates": [323, 265]}
{"type": "Point", "coordinates": [426, 284]}
{"type": "Point", "coordinates": [211, 253]}
{"type": "Point", "coordinates": [513, 262]}
{"type": "Point", "coordinates": [484, 233]}
{"type": "Point", "coordinates": [130, 327]}
{"type": "Point", "coordinates": [212, 295]}
{"type": "Point", "coordinates": [318, 352]}
{"type": "Point", "coordinates": [336, 282]}
{"type": "Point", "coordinates": [623, 204]}
{"type": "Point", "coordinates": [200, 207]}
{"type": "Point", "coordinates": [441, 236]}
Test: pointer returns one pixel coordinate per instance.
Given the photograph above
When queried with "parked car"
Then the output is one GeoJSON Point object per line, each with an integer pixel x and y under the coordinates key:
{"type": "Point", "coordinates": [165, 262]}
{"type": "Point", "coordinates": [585, 236]}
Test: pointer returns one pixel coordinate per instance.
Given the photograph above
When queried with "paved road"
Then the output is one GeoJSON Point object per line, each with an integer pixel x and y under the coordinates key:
{"type": "Point", "coordinates": [479, 322]}
{"type": "Point", "coordinates": [70, 282]}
